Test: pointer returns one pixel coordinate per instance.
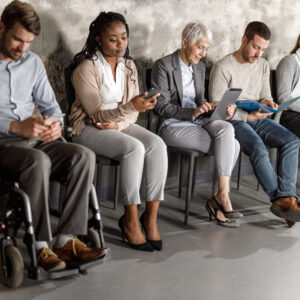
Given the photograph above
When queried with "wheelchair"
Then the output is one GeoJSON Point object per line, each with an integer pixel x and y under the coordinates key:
{"type": "Point", "coordinates": [15, 210]}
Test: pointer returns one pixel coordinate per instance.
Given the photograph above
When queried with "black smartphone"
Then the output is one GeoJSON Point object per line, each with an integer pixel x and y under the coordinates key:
{"type": "Point", "coordinates": [152, 92]}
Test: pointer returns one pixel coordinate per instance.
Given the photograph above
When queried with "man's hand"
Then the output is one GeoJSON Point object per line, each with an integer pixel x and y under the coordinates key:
{"type": "Point", "coordinates": [206, 107]}
{"type": "Point", "coordinates": [31, 127]}
{"type": "Point", "coordinates": [52, 133]}
{"type": "Point", "coordinates": [269, 103]}
{"type": "Point", "coordinates": [141, 104]}
{"type": "Point", "coordinates": [104, 125]}
{"type": "Point", "coordinates": [230, 111]}
{"type": "Point", "coordinates": [256, 115]}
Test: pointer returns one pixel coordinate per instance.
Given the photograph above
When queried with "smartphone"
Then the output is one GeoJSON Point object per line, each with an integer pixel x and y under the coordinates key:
{"type": "Point", "coordinates": [152, 92]}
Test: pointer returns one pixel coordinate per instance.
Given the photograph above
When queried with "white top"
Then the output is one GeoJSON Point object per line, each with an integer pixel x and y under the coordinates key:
{"type": "Point", "coordinates": [112, 91]}
{"type": "Point", "coordinates": [296, 91]}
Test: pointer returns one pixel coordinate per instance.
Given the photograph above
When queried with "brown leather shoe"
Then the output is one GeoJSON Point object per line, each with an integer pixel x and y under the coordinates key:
{"type": "Point", "coordinates": [49, 261]}
{"type": "Point", "coordinates": [286, 208]}
{"type": "Point", "coordinates": [74, 249]}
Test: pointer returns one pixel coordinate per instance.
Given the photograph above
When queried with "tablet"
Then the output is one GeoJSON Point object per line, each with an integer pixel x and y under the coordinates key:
{"type": "Point", "coordinates": [285, 105]}
{"type": "Point", "coordinates": [251, 105]}
{"type": "Point", "coordinates": [229, 97]}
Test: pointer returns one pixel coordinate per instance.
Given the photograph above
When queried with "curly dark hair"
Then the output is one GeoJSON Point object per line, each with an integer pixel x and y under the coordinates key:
{"type": "Point", "coordinates": [99, 25]}
{"type": "Point", "coordinates": [296, 46]}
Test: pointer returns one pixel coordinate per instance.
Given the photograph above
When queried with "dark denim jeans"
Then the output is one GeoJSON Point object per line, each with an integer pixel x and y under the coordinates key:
{"type": "Point", "coordinates": [253, 136]}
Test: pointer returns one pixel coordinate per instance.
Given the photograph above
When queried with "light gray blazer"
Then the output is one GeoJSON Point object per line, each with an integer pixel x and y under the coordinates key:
{"type": "Point", "coordinates": [166, 74]}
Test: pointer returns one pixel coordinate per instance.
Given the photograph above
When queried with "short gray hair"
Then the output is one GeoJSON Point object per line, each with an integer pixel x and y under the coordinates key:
{"type": "Point", "coordinates": [194, 32]}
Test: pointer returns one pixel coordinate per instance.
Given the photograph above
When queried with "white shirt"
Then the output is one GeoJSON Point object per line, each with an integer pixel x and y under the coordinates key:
{"type": "Point", "coordinates": [112, 91]}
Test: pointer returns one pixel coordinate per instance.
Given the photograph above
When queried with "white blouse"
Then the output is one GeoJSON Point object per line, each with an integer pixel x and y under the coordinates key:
{"type": "Point", "coordinates": [112, 91]}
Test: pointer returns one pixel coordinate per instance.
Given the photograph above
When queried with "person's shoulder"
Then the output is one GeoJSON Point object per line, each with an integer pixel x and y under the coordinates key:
{"type": "Point", "coordinates": [129, 62]}
{"type": "Point", "coordinates": [289, 59]}
{"type": "Point", "coordinates": [166, 60]}
{"type": "Point", "coordinates": [84, 65]}
{"type": "Point", "coordinates": [31, 57]}
{"type": "Point", "coordinates": [224, 61]}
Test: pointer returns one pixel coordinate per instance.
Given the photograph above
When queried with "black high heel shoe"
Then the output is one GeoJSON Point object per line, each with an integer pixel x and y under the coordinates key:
{"type": "Point", "coordinates": [142, 247]}
{"type": "Point", "coordinates": [156, 244]}
{"type": "Point", "coordinates": [213, 211]}
{"type": "Point", "coordinates": [234, 214]}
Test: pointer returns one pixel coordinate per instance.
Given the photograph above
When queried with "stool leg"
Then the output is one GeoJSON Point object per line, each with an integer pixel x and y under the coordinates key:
{"type": "Point", "coordinates": [117, 183]}
{"type": "Point", "coordinates": [194, 176]}
{"type": "Point", "coordinates": [189, 188]}
{"type": "Point", "coordinates": [181, 172]}
{"type": "Point", "coordinates": [239, 171]}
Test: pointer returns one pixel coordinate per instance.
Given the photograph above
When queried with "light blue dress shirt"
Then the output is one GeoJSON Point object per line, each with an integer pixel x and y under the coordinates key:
{"type": "Point", "coordinates": [22, 83]}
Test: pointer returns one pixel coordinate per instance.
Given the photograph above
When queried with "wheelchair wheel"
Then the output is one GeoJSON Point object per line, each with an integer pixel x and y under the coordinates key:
{"type": "Point", "coordinates": [93, 237]}
{"type": "Point", "coordinates": [15, 267]}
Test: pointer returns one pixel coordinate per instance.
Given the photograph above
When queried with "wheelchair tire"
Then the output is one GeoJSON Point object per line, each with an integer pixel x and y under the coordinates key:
{"type": "Point", "coordinates": [15, 267]}
{"type": "Point", "coordinates": [94, 239]}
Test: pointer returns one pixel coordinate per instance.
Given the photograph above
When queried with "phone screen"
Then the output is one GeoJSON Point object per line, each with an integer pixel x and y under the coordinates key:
{"type": "Point", "coordinates": [152, 92]}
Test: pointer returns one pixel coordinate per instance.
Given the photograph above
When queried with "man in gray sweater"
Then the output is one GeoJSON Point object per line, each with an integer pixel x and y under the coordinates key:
{"type": "Point", "coordinates": [254, 130]}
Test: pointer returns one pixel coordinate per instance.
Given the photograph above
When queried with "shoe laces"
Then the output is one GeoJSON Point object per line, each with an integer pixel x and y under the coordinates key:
{"type": "Point", "coordinates": [45, 253]}
{"type": "Point", "coordinates": [76, 243]}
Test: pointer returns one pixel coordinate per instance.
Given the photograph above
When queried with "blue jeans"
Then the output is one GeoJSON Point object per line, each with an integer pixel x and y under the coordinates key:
{"type": "Point", "coordinates": [253, 136]}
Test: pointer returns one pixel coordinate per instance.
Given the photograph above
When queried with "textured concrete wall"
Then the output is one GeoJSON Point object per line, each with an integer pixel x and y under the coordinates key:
{"type": "Point", "coordinates": [156, 25]}
{"type": "Point", "coordinates": [155, 29]}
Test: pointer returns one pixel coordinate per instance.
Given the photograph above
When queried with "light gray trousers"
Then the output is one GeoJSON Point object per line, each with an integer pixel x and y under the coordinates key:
{"type": "Point", "coordinates": [138, 150]}
{"type": "Point", "coordinates": [33, 163]}
{"type": "Point", "coordinates": [217, 138]}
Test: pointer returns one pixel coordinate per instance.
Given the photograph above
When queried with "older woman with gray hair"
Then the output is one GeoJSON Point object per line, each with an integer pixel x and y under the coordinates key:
{"type": "Point", "coordinates": [182, 109]}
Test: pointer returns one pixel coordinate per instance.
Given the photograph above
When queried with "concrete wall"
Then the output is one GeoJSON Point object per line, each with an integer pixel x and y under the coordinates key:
{"type": "Point", "coordinates": [155, 30]}
{"type": "Point", "coordinates": [156, 25]}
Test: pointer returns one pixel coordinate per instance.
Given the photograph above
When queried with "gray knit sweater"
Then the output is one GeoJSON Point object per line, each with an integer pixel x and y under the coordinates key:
{"type": "Point", "coordinates": [253, 79]}
{"type": "Point", "coordinates": [287, 77]}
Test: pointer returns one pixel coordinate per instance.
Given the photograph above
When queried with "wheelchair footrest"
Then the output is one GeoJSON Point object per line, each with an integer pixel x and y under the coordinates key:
{"type": "Point", "coordinates": [83, 266]}
{"type": "Point", "coordinates": [40, 274]}
{"type": "Point", "coordinates": [73, 268]}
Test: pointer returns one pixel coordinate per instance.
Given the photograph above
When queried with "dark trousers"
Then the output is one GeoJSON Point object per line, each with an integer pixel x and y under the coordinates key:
{"type": "Point", "coordinates": [33, 163]}
{"type": "Point", "coordinates": [291, 120]}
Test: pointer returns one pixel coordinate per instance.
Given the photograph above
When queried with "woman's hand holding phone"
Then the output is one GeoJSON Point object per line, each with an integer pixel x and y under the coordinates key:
{"type": "Point", "coordinates": [145, 101]}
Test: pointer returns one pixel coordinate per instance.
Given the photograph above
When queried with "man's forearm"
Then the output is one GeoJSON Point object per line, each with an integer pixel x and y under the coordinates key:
{"type": "Point", "coordinates": [14, 127]}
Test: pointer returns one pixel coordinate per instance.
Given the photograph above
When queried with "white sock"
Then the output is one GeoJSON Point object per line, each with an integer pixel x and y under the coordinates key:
{"type": "Point", "coordinates": [62, 239]}
{"type": "Point", "coordinates": [41, 244]}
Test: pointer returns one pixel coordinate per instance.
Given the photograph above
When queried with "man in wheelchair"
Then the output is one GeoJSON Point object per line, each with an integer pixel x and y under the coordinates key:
{"type": "Point", "coordinates": [32, 151]}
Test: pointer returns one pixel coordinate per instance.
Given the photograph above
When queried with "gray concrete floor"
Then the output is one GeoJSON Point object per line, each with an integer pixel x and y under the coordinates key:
{"type": "Point", "coordinates": [258, 260]}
